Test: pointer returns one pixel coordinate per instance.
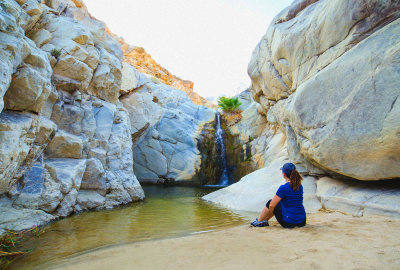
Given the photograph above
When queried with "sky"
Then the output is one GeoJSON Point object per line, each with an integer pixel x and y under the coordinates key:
{"type": "Point", "coordinates": [208, 42]}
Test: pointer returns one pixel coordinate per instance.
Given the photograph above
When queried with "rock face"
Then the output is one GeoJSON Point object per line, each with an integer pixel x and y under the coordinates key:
{"type": "Point", "coordinates": [66, 142]}
{"type": "Point", "coordinates": [76, 120]}
{"type": "Point", "coordinates": [166, 126]}
{"type": "Point", "coordinates": [326, 73]}
{"type": "Point", "coordinates": [325, 81]}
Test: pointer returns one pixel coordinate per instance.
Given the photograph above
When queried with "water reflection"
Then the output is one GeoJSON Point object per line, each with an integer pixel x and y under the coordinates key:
{"type": "Point", "coordinates": [167, 212]}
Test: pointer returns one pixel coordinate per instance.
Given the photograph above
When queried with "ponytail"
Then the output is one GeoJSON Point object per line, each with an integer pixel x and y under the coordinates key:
{"type": "Point", "coordinates": [295, 179]}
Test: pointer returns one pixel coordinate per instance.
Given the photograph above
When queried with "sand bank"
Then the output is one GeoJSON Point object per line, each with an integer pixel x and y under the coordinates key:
{"type": "Point", "coordinates": [329, 241]}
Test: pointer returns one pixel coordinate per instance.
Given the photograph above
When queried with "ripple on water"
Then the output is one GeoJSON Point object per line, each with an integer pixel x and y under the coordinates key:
{"type": "Point", "coordinates": [167, 212]}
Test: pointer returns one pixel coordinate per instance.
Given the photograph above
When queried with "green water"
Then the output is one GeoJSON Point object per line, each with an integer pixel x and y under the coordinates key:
{"type": "Point", "coordinates": [167, 212]}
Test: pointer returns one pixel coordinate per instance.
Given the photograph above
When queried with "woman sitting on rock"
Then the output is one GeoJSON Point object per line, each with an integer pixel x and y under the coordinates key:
{"type": "Point", "coordinates": [287, 204]}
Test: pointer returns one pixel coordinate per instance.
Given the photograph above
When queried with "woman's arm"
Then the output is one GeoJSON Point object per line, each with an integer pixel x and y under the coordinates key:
{"type": "Point", "coordinates": [275, 200]}
{"type": "Point", "coordinates": [266, 213]}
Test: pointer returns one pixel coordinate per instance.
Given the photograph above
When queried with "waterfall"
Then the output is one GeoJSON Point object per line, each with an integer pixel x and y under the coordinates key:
{"type": "Point", "coordinates": [224, 180]}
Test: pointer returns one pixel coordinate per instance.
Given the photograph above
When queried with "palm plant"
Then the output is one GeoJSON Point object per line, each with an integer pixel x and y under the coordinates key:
{"type": "Point", "coordinates": [229, 104]}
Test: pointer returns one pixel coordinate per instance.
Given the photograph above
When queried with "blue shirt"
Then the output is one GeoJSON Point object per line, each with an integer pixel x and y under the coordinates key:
{"type": "Point", "coordinates": [292, 204]}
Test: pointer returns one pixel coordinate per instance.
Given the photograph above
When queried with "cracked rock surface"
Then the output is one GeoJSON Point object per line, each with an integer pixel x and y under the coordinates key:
{"type": "Point", "coordinates": [327, 73]}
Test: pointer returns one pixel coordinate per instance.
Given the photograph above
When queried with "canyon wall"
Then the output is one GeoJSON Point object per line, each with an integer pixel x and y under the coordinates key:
{"type": "Point", "coordinates": [77, 122]}
{"type": "Point", "coordinates": [326, 78]}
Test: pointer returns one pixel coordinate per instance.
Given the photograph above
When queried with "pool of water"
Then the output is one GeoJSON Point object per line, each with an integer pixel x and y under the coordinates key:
{"type": "Point", "coordinates": [167, 212]}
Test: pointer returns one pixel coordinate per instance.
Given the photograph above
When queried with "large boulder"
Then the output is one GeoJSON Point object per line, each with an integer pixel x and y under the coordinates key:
{"type": "Point", "coordinates": [253, 191]}
{"type": "Point", "coordinates": [346, 125]}
{"type": "Point", "coordinates": [360, 198]}
{"type": "Point", "coordinates": [327, 73]}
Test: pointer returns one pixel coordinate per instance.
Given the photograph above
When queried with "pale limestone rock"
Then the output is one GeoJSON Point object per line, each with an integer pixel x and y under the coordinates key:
{"type": "Point", "coordinates": [106, 80]}
{"type": "Point", "coordinates": [53, 3]}
{"type": "Point", "coordinates": [117, 194]}
{"type": "Point", "coordinates": [34, 9]}
{"type": "Point", "coordinates": [17, 134]}
{"type": "Point", "coordinates": [253, 191]}
{"type": "Point", "coordinates": [245, 98]}
{"type": "Point", "coordinates": [307, 37]}
{"type": "Point", "coordinates": [79, 58]}
{"type": "Point", "coordinates": [90, 58]}
{"type": "Point", "coordinates": [13, 17]}
{"type": "Point", "coordinates": [94, 177]}
{"type": "Point", "coordinates": [150, 157]}
{"type": "Point", "coordinates": [165, 128]}
{"type": "Point", "coordinates": [21, 219]}
{"type": "Point", "coordinates": [42, 37]}
{"type": "Point", "coordinates": [45, 131]}
{"type": "Point", "coordinates": [67, 204]}
{"type": "Point", "coordinates": [49, 104]}
{"type": "Point", "coordinates": [75, 119]}
{"type": "Point", "coordinates": [65, 145]}
{"type": "Point", "coordinates": [138, 115]}
{"type": "Point", "coordinates": [70, 73]}
{"type": "Point", "coordinates": [131, 79]}
{"type": "Point", "coordinates": [40, 192]}
{"type": "Point", "coordinates": [120, 174]}
{"type": "Point", "coordinates": [88, 199]}
{"type": "Point", "coordinates": [104, 129]}
{"type": "Point", "coordinates": [67, 172]}
{"type": "Point", "coordinates": [29, 87]}
{"type": "Point", "coordinates": [359, 198]}
{"type": "Point", "coordinates": [267, 141]}
{"type": "Point", "coordinates": [354, 131]}
{"type": "Point", "coordinates": [90, 62]}
{"type": "Point", "coordinates": [98, 153]}
{"type": "Point", "coordinates": [327, 72]}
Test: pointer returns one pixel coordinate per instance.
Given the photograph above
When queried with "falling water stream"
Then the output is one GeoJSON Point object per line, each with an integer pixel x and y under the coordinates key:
{"type": "Point", "coordinates": [224, 180]}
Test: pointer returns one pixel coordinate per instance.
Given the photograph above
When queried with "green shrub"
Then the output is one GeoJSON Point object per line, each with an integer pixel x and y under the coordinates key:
{"type": "Point", "coordinates": [229, 104]}
{"type": "Point", "coordinates": [56, 53]}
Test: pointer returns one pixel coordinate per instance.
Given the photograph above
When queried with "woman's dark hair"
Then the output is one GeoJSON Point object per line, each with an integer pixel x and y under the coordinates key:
{"type": "Point", "coordinates": [295, 179]}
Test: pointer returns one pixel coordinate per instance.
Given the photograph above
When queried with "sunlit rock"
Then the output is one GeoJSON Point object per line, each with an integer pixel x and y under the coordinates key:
{"type": "Point", "coordinates": [326, 73]}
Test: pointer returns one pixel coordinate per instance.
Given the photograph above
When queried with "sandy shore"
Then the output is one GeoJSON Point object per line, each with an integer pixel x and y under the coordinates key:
{"type": "Point", "coordinates": [329, 241]}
